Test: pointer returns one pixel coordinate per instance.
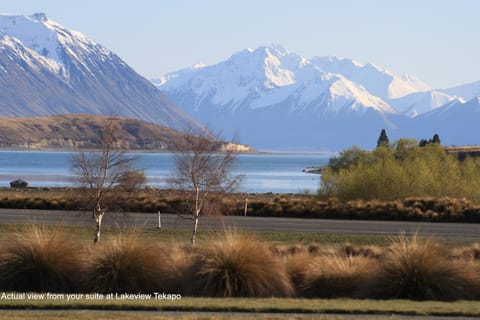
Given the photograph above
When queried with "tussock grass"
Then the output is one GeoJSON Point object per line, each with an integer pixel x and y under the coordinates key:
{"type": "Point", "coordinates": [420, 269]}
{"type": "Point", "coordinates": [281, 250]}
{"type": "Point", "coordinates": [237, 265]}
{"type": "Point", "coordinates": [233, 264]}
{"type": "Point", "coordinates": [368, 251]}
{"type": "Point", "coordinates": [125, 264]}
{"type": "Point", "coordinates": [467, 253]}
{"type": "Point", "coordinates": [39, 259]}
{"type": "Point", "coordinates": [333, 276]}
{"type": "Point", "coordinates": [296, 267]}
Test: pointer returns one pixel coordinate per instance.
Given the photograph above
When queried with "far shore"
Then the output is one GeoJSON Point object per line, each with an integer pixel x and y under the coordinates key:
{"type": "Point", "coordinates": [254, 152]}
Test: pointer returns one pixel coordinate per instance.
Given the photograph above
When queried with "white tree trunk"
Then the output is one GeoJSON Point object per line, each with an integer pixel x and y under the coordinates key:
{"type": "Point", "coordinates": [194, 231]}
{"type": "Point", "coordinates": [196, 215]}
{"type": "Point", "coordinates": [98, 216]}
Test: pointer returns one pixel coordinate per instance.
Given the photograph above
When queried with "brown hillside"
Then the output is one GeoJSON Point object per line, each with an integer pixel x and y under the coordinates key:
{"type": "Point", "coordinates": [82, 131]}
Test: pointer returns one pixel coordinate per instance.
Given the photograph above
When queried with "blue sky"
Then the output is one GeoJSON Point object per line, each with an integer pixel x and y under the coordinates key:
{"type": "Point", "coordinates": [435, 40]}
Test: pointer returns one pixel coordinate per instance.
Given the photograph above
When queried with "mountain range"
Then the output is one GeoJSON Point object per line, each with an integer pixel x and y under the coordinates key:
{"type": "Point", "coordinates": [46, 69]}
{"type": "Point", "coordinates": [275, 99]}
{"type": "Point", "coordinates": [269, 97]}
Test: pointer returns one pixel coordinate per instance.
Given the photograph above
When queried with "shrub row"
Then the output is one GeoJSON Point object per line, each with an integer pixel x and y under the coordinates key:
{"type": "Point", "coordinates": [410, 209]}
{"type": "Point", "coordinates": [238, 266]}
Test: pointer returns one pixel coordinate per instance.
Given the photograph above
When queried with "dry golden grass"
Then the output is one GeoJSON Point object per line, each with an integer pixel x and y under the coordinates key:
{"type": "Point", "coordinates": [40, 259]}
{"type": "Point", "coordinates": [332, 276]}
{"type": "Point", "coordinates": [125, 264]}
{"type": "Point", "coordinates": [421, 269]}
{"type": "Point", "coordinates": [296, 267]}
{"type": "Point", "coordinates": [237, 265]}
{"type": "Point", "coordinates": [349, 249]}
{"type": "Point", "coordinates": [170, 201]}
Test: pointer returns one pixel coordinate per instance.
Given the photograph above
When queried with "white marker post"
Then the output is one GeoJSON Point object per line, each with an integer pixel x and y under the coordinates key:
{"type": "Point", "coordinates": [246, 206]}
{"type": "Point", "coordinates": [159, 220]}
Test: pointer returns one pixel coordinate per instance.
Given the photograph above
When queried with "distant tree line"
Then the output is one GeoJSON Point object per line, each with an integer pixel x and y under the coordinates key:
{"type": "Point", "coordinates": [383, 140]}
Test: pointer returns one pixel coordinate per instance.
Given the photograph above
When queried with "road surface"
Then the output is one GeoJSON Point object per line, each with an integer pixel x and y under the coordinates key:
{"type": "Point", "coordinates": [171, 221]}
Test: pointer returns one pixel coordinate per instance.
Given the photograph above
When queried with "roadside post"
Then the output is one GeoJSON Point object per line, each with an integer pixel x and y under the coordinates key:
{"type": "Point", "coordinates": [246, 205]}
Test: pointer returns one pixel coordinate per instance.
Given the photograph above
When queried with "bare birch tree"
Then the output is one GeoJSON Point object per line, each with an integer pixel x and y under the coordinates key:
{"type": "Point", "coordinates": [203, 173]}
{"type": "Point", "coordinates": [100, 171]}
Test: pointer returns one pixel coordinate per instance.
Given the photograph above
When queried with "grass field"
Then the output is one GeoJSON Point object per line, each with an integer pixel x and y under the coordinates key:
{"type": "Point", "coordinates": [258, 305]}
{"type": "Point", "coordinates": [183, 236]}
{"type": "Point", "coordinates": [85, 234]}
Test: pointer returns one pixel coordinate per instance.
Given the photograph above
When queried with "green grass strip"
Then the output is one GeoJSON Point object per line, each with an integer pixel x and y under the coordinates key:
{"type": "Point", "coordinates": [271, 305]}
{"type": "Point", "coordinates": [10, 231]}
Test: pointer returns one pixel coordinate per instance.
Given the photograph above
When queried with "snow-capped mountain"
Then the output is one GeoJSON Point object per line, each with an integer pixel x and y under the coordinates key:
{"type": "Point", "coordinates": [416, 103]}
{"type": "Point", "coordinates": [46, 69]}
{"type": "Point", "coordinates": [379, 82]}
{"type": "Point", "coordinates": [466, 91]}
{"type": "Point", "coordinates": [456, 122]}
{"type": "Point", "coordinates": [456, 109]}
{"type": "Point", "coordinates": [276, 99]}
{"type": "Point", "coordinates": [265, 77]}
{"type": "Point", "coordinates": [271, 97]}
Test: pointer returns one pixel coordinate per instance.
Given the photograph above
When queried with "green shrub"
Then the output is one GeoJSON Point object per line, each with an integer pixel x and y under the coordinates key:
{"type": "Point", "coordinates": [404, 171]}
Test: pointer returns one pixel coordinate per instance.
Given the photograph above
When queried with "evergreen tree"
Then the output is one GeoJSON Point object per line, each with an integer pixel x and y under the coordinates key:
{"type": "Point", "coordinates": [435, 139]}
{"type": "Point", "coordinates": [383, 139]}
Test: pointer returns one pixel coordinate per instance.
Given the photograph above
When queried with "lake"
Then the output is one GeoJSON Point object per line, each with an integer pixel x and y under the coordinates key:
{"type": "Point", "coordinates": [277, 173]}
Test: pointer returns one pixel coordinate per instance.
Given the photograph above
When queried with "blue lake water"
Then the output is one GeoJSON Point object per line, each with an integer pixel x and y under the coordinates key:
{"type": "Point", "coordinates": [278, 173]}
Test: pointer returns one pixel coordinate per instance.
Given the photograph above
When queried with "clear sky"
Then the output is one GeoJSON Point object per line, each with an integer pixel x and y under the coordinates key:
{"type": "Point", "coordinates": [437, 41]}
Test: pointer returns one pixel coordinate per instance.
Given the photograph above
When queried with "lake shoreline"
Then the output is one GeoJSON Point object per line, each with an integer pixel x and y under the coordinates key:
{"type": "Point", "coordinates": [150, 151]}
{"type": "Point", "coordinates": [276, 173]}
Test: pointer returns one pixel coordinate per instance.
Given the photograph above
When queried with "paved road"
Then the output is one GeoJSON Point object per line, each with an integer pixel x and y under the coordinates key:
{"type": "Point", "coordinates": [170, 221]}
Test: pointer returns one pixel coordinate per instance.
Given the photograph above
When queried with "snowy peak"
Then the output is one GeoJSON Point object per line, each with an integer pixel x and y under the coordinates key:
{"type": "Point", "coordinates": [50, 40]}
{"type": "Point", "coordinates": [456, 109]}
{"type": "Point", "coordinates": [359, 97]}
{"type": "Point", "coordinates": [467, 91]}
{"type": "Point", "coordinates": [265, 77]}
{"type": "Point", "coordinates": [271, 65]}
{"type": "Point", "coordinates": [418, 103]}
{"type": "Point", "coordinates": [379, 82]}
{"type": "Point", "coordinates": [15, 49]}
{"type": "Point", "coordinates": [34, 32]}
{"type": "Point", "coordinates": [275, 98]}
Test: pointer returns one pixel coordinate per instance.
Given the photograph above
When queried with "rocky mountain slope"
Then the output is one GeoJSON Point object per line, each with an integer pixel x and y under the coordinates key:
{"type": "Point", "coordinates": [46, 69]}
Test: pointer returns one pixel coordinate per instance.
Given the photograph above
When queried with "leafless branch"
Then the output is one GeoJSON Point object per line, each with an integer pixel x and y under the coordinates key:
{"type": "Point", "coordinates": [201, 171]}
{"type": "Point", "coordinates": [101, 171]}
